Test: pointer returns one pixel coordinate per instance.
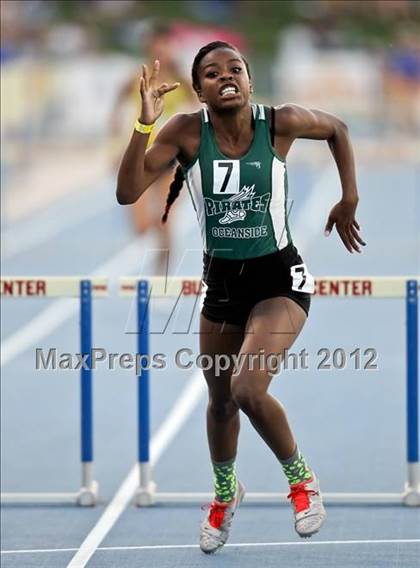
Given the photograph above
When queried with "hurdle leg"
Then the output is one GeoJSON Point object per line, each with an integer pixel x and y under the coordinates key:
{"type": "Point", "coordinates": [88, 493]}
{"type": "Point", "coordinates": [412, 486]}
{"type": "Point", "coordinates": [145, 493]}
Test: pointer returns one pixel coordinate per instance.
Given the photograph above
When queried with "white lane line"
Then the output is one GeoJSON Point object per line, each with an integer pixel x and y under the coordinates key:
{"type": "Point", "coordinates": [182, 409]}
{"type": "Point", "coordinates": [46, 321]}
{"type": "Point", "coordinates": [262, 544]}
{"type": "Point", "coordinates": [231, 545]}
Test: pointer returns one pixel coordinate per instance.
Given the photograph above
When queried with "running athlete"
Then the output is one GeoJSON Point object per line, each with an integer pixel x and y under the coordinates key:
{"type": "Point", "coordinates": [232, 155]}
{"type": "Point", "coordinates": [145, 214]}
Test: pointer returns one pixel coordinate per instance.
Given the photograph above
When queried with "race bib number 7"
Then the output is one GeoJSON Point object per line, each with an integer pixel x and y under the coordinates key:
{"type": "Point", "coordinates": [303, 281]}
{"type": "Point", "coordinates": [226, 177]}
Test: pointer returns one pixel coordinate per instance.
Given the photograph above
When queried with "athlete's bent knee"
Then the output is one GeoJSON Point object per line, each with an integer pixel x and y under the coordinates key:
{"type": "Point", "coordinates": [247, 399]}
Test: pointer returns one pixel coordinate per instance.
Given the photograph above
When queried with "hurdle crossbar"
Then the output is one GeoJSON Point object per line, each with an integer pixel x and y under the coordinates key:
{"type": "Point", "coordinates": [145, 288]}
{"type": "Point", "coordinates": [84, 289]}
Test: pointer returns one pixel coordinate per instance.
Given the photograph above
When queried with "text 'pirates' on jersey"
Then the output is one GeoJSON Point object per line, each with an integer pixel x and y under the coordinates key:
{"type": "Point", "coordinates": [241, 205]}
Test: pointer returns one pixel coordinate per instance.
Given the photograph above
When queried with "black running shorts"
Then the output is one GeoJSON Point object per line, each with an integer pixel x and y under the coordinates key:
{"type": "Point", "coordinates": [235, 286]}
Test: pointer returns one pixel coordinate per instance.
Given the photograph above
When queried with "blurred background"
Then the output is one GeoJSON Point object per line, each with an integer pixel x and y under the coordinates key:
{"type": "Point", "coordinates": [69, 77]}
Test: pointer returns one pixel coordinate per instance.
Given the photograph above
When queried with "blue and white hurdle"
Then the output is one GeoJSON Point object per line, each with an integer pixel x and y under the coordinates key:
{"type": "Point", "coordinates": [145, 288]}
{"type": "Point", "coordinates": [85, 289]}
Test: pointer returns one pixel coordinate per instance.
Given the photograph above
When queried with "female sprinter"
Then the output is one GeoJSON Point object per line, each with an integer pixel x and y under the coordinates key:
{"type": "Point", "coordinates": [146, 214]}
{"type": "Point", "coordinates": [232, 155]}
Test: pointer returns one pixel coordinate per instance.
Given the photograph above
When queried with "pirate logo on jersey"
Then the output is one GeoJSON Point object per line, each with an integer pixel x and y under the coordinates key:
{"type": "Point", "coordinates": [235, 208]}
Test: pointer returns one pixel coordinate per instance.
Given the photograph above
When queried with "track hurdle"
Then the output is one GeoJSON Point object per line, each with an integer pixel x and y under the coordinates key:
{"type": "Point", "coordinates": [359, 287]}
{"type": "Point", "coordinates": [85, 289]}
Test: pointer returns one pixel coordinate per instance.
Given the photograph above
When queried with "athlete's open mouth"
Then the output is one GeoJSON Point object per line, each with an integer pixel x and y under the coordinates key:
{"type": "Point", "coordinates": [228, 90]}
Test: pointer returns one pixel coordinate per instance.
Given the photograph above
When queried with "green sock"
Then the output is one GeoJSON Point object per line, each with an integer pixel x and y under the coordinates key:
{"type": "Point", "coordinates": [224, 480]}
{"type": "Point", "coordinates": [296, 468]}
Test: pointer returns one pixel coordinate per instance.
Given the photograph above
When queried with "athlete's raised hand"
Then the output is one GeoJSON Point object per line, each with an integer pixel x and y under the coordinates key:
{"type": "Point", "coordinates": [152, 93]}
{"type": "Point", "coordinates": [342, 215]}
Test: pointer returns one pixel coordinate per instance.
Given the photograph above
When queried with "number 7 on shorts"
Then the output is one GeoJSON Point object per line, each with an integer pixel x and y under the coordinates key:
{"type": "Point", "coordinates": [303, 281]}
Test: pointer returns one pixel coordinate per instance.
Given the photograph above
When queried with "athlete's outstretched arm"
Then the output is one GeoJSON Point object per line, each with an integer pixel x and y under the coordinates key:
{"type": "Point", "coordinates": [139, 169]}
{"type": "Point", "coordinates": [294, 121]}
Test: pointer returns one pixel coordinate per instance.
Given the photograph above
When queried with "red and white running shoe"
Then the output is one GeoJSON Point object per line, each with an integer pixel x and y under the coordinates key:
{"type": "Point", "coordinates": [308, 508]}
{"type": "Point", "coordinates": [216, 526]}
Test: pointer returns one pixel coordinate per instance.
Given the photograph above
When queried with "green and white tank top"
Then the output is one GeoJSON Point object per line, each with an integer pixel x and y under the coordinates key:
{"type": "Point", "coordinates": [241, 204]}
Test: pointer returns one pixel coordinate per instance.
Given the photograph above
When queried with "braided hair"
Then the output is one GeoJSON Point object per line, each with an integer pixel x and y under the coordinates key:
{"type": "Point", "coordinates": [179, 178]}
{"type": "Point", "coordinates": [174, 190]}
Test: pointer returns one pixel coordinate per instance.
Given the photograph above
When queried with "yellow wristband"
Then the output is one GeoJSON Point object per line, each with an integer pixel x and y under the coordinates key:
{"type": "Point", "coordinates": [143, 128]}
